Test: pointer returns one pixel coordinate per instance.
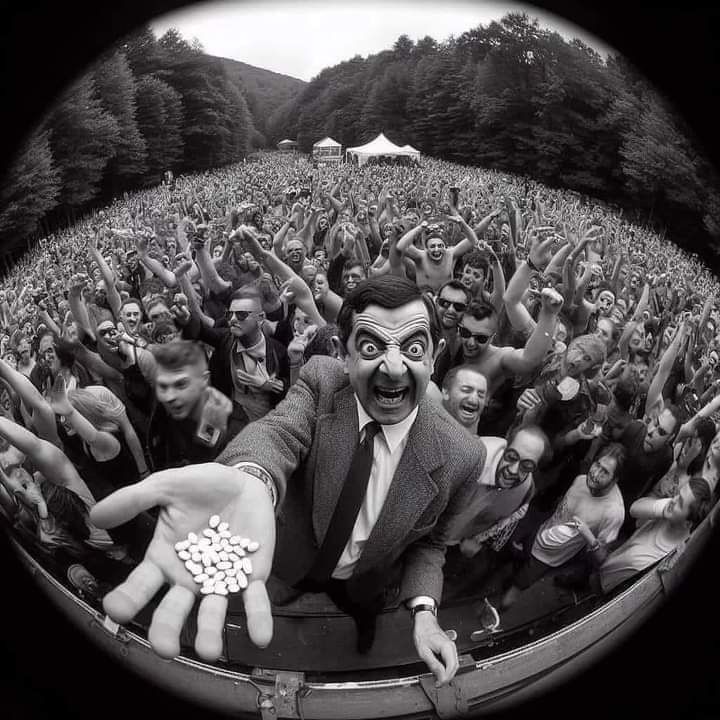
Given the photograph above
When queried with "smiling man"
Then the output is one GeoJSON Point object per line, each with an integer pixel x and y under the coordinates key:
{"type": "Point", "coordinates": [365, 473]}
{"type": "Point", "coordinates": [464, 394]}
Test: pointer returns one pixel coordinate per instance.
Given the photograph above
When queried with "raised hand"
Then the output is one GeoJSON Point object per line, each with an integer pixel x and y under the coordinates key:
{"type": "Point", "coordinates": [187, 498]}
{"type": "Point", "coordinates": [59, 401]}
{"type": "Point", "coordinates": [541, 253]}
{"type": "Point", "coordinates": [551, 300]}
{"type": "Point", "coordinates": [529, 400]}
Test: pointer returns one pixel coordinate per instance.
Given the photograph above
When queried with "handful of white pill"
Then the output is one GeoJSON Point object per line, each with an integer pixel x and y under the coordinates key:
{"type": "Point", "coordinates": [217, 559]}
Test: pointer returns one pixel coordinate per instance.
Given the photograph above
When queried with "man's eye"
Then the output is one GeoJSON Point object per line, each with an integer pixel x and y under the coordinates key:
{"type": "Point", "coordinates": [415, 350]}
{"type": "Point", "coordinates": [369, 348]}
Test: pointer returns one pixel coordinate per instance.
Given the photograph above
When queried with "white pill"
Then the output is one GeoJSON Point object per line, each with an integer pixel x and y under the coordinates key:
{"type": "Point", "coordinates": [220, 591]}
{"type": "Point", "coordinates": [202, 577]}
{"type": "Point", "coordinates": [242, 580]}
{"type": "Point", "coordinates": [214, 521]}
{"type": "Point", "coordinates": [211, 570]}
{"type": "Point", "coordinates": [208, 533]}
{"type": "Point", "coordinates": [221, 585]}
{"type": "Point", "coordinates": [223, 565]}
{"type": "Point", "coordinates": [253, 546]}
{"type": "Point", "coordinates": [207, 561]}
{"type": "Point", "coordinates": [224, 534]}
{"type": "Point", "coordinates": [192, 537]}
{"type": "Point", "coordinates": [190, 565]}
{"type": "Point", "coordinates": [182, 545]}
{"type": "Point", "coordinates": [246, 566]}
{"type": "Point", "coordinates": [222, 526]}
{"type": "Point", "coordinates": [214, 556]}
{"type": "Point", "coordinates": [232, 557]}
{"type": "Point", "coordinates": [184, 555]}
{"type": "Point", "coordinates": [244, 542]}
{"type": "Point", "coordinates": [233, 588]}
{"type": "Point", "coordinates": [204, 542]}
{"type": "Point", "coordinates": [196, 557]}
{"type": "Point", "coordinates": [231, 572]}
{"type": "Point", "coordinates": [207, 589]}
{"type": "Point", "coordinates": [215, 547]}
{"type": "Point", "coordinates": [193, 549]}
{"type": "Point", "coordinates": [223, 556]}
{"type": "Point", "coordinates": [219, 576]}
{"type": "Point", "coordinates": [235, 539]}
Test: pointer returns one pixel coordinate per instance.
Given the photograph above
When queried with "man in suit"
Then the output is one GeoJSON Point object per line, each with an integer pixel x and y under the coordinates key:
{"type": "Point", "coordinates": [299, 458]}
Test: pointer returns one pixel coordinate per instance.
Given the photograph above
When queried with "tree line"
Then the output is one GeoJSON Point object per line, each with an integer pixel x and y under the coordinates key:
{"type": "Point", "coordinates": [149, 105]}
{"type": "Point", "coordinates": [519, 98]}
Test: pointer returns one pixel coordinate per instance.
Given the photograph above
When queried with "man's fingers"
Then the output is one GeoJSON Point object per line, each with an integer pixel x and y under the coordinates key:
{"type": "Point", "coordinates": [128, 598]}
{"type": "Point", "coordinates": [124, 504]}
{"type": "Point", "coordinates": [210, 626]}
{"type": "Point", "coordinates": [435, 666]}
{"type": "Point", "coordinates": [449, 655]}
{"type": "Point", "coordinates": [168, 620]}
{"type": "Point", "coordinates": [259, 614]}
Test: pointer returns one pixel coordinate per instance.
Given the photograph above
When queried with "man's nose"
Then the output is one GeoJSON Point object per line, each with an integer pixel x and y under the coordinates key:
{"type": "Point", "coordinates": [393, 364]}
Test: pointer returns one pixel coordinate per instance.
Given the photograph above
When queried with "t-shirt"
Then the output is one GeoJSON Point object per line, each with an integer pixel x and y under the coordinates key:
{"type": "Point", "coordinates": [651, 542]}
{"type": "Point", "coordinates": [641, 469]}
{"type": "Point", "coordinates": [557, 542]}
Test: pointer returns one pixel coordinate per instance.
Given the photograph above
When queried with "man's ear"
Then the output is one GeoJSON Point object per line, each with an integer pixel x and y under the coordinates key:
{"type": "Point", "coordinates": [206, 378]}
{"type": "Point", "coordinates": [340, 350]}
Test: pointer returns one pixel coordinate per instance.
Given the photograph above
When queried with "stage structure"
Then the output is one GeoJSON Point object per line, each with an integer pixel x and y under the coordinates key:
{"type": "Point", "coordinates": [380, 148]}
{"type": "Point", "coordinates": [287, 145]}
{"type": "Point", "coordinates": [327, 150]}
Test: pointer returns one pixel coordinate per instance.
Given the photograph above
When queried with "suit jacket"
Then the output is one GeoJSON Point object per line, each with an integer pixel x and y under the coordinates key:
{"type": "Point", "coordinates": [307, 444]}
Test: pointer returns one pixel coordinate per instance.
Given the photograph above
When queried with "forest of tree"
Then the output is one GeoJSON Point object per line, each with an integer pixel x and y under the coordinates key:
{"type": "Point", "coordinates": [516, 97]}
{"type": "Point", "coordinates": [149, 105]}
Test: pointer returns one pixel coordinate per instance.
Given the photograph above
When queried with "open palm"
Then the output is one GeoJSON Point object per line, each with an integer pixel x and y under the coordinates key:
{"type": "Point", "coordinates": [187, 497]}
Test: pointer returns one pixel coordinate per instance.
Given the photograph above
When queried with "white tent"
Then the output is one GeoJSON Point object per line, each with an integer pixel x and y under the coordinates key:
{"type": "Point", "coordinates": [380, 146]}
{"type": "Point", "coordinates": [326, 142]}
{"type": "Point", "coordinates": [327, 150]}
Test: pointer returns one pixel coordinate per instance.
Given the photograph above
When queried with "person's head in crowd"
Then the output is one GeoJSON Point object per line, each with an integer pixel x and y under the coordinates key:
{"type": "Point", "coordinates": [605, 469]}
{"type": "Point", "coordinates": [182, 377]}
{"type": "Point", "coordinates": [245, 314]}
{"type": "Point", "coordinates": [131, 315]}
{"type": "Point", "coordinates": [157, 309]}
{"type": "Point", "coordinates": [691, 503]}
{"type": "Point", "coordinates": [477, 329]}
{"type": "Point", "coordinates": [693, 450]}
{"type": "Point", "coordinates": [617, 314]}
{"type": "Point", "coordinates": [100, 294]}
{"type": "Point", "coordinates": [164, 331]}
{"type": "Point", "coordinates": [452, 301]}
{"type": "Point", "coordinates": [295, 253]}
{"type": "Point", "coordinates": [635, 281]}
{"type": "Point", "coordinates": [47, 352]}
{"type": "Point", "coordinates": [662, 429]}
{"type": "Point", "coordinates": [24, 350]}
{"type": "Point", "coordinates": [464, 394]}
{"type": "Point", "coordinates": [217, 251]}
{"type": "Point", "coordinates": [608, 332]}
{"type": "Point", "coordinates": [320, 258]}
{"type": "Point", "coordinates": [561, 337]}
{"type": "Point", "coordinates": [301, 321]}
{"type": "Point", "coordinates": [11, 357]}
{"type": "Point", "coordinates": [584, 355]}
{"type": "Point", "coordinates": [605, 302]}
{"type": "Point", "coordinates": [436, 249]}
{"type": "Point", "coordinates": [527, 449]}
{"type": "Point", "coordinates": [99, 405]}
{"type": "Point", "coordinates": [67, 513]}
{"type": "Point", "coordinates": [28, 329]}
{"type": "Point", "coordinates": [322, 343]}
{"type": "Point", "coordinates": [641, 369]}
{"type": "Point", "coordinates": [308, 274]}
{"type": "Point", "coordinates": [353, 273]}
{"type": "Point", "coordinates": [320, 286]}
{"type": "Point", "coordinates": [474, 270]}
{"type": "Point", "coordinates": [388, 336]}
{"type": "Point", "coordinates": [108, 336]}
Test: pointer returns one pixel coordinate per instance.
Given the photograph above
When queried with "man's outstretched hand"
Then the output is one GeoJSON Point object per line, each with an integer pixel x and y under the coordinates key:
{"type": "Point", "coordinates": [187, 498]}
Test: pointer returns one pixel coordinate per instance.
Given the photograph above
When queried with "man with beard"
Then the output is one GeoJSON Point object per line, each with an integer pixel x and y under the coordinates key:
{"type": "Point", "coordinates": [247, 366]}
{"type": "Point", "coordinates": [192, 421]}
{"type": "Point", "coordinates": [26, 361]}
{"type": "Point", "coordinates": [367, 475]}
{"type": "Point", "coordinates": [588, 518]}
{"type": "Point", "coordinates": [452, 301]}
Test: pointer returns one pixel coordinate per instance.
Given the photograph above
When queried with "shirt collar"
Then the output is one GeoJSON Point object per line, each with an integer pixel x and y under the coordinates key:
{"type": "Point", "coordinates": [394, 434]}
{"type": "Point", "coordinates": [257, 349]}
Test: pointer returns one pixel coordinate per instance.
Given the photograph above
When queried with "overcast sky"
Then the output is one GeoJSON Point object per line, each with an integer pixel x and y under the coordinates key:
{"type": "Point", "coordinates": [302, 38]}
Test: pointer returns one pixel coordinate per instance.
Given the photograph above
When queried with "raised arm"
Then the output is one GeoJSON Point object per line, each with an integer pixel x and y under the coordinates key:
{"type": "Point", "coordinates": [113, 296]}
{"type": "Point", "coordinates": [654, 402]}
{"type": "Point", "coordinates": [405, 243]}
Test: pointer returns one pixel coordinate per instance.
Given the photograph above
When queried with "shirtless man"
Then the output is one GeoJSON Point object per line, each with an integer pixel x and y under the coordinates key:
{"type": "Point", "coordinates": [477, 329]}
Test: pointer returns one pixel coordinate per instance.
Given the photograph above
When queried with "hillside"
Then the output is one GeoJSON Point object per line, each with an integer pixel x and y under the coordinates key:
{"type": "Point", "coordinates": [265, 91]}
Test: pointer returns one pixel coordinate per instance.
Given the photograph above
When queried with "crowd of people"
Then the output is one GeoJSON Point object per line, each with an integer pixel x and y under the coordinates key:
{"type": "Point", "coordinates": [570, 357]}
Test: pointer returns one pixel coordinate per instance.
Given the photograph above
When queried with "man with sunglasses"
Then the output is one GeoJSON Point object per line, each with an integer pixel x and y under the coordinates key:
{"type": "Point", "coordinates": [452, 301]}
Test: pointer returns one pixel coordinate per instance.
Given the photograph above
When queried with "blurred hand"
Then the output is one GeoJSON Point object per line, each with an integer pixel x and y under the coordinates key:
{"type": "Point", "coordinates": [529, 400]}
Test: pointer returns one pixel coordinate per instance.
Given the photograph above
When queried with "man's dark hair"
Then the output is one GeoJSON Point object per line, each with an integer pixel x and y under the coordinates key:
{"type": "Point", "coordinates": [389, 292]}
{"type": "Point", "coordinates": [353, 263]}
{"type": "Point", "coordinates": [539, 433]}
{"type": "Point", "coordinates": [68, 509]}
{"type": "Point", "coordinates": [617, 452]}
{"type": "Point", "coordinates": [479, 310]}
{"type": "Point", "coordinates": [453, 371]}
{"type": "Point", "coordinates": [178, 354]}
{"type": "Point", "coordinates": [703, 499]}
{"type": "Point", "coordinates": [131, 301]}
{"type": "Point", "coordinates": [456, 285]}
{"type": "Point", "coordinates": [705, 430]}
{"type": "Point", "coordinates": [476, 259]}
{"type": "Point", "coordinates": [626, 390]}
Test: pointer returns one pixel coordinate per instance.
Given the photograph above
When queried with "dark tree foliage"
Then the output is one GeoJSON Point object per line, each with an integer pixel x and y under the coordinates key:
{"type": "Point", "coordinates": [516, 97]}
{"type": "Point", "coordinates": [30, 188]}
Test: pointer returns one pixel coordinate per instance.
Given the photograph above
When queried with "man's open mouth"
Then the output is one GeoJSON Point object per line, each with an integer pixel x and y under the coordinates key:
{"type": "Point", "coordinates": [469, 409]}
{"type": "Point", "coordinates": [389, 397]}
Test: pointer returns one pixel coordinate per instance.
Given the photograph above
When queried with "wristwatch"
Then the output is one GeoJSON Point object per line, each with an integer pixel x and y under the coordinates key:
{"type": "Point", "coordinates": [423, 607]}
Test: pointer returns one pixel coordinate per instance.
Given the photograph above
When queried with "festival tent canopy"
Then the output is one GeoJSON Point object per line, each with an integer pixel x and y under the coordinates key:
{"type": "Point", "coordinates": [326, 142]}
{"type": "Point", "coordinates": [381, 146]}
{"type": "Point", "coordinates": [287, 144]}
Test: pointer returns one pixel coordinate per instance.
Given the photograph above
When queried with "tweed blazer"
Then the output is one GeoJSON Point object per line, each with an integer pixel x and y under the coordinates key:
{"type": "Point", "coordinates": [307, 443]}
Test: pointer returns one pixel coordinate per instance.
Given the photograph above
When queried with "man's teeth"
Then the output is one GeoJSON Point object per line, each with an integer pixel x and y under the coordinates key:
{"type": "Point", "coordinates": [390, 396]}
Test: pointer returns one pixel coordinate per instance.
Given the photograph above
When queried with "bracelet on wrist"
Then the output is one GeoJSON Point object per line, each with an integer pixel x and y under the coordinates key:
{"type": "Point", "coordinates": [423, 607]}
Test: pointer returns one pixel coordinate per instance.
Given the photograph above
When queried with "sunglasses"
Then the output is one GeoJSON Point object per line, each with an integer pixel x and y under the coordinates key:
{"type": "Point", "coordinates": [458, 306]}
{"type": "Point", "coordinates": [480, 338]}
{"type": "Point", "coordinates": [526, 466]}
{"type": "Point", "coordinates": [239, 314]}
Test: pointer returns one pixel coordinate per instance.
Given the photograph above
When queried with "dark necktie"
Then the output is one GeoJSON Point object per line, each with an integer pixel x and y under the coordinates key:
{"type": "Point", "coordinates": [347, 508]}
